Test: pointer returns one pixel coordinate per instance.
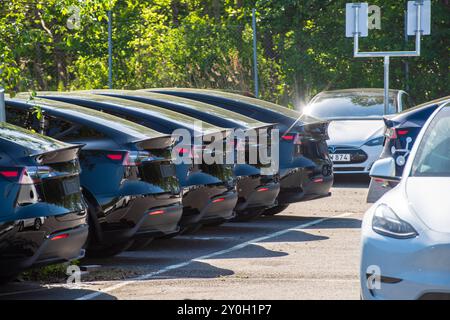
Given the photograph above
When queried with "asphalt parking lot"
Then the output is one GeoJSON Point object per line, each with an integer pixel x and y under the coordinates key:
{"type": "Point", "coordinates": [310, 251]}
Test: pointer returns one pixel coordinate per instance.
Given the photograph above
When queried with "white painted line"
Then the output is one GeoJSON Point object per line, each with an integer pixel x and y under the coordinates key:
{"type": "Point", "coordinates": [208, 256]}
{"type": "Point", "coordinates": [202, 238]}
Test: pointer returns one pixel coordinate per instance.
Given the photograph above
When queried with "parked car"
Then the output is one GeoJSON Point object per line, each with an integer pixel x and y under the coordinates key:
{"type": "Point", "coordinates": [305, 167]}
{"type": "Point", "coordinates": [255, 191]}
{"type": "Point", "coordinates": [43, 217]}
{"type": "Point", "coordinates": [402, 130]}
{"type": "Point", "coordinates": [406, 234]}
{"type": "Point", "coordinates": [127, 176]}
{"type": "Point", "coordinates": [400, 134]}
{"type": "Point", "coordinates": [356, 124]}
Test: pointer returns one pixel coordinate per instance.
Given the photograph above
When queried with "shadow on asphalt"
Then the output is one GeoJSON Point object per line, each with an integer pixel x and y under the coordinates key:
{"type": "Point", "coordinates": [351, 181]}
{"type": "Point", "coordinates": [35, 291]}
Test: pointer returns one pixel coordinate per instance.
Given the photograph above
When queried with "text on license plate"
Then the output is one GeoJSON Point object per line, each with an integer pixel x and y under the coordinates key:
{"type": "Point", "coordinates": [340, 157]}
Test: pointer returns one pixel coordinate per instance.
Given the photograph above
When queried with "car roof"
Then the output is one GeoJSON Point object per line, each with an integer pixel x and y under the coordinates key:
{"type": "Point", "coordinates": [360, 91]}
{"type": "Point", "coordinates": [423, 110]}
{"type": "Point", "coordinates": [277, 112]}
{"type": "Point", "coordinates": [114, 127]}
{"type": "Point", "coordinates": [211, 113]}
{"type": "Point", "coordinates": [167, 117]}
{"type": "Point", "coordinates": [21, 140]}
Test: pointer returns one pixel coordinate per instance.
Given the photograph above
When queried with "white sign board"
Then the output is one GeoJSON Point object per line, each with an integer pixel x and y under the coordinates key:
{"type": "Point", "coordinates": [425, 17]}
{"type": "Point", "coordinates": [350, 19]}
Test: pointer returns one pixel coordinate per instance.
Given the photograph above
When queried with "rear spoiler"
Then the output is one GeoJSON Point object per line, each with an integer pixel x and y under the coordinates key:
{"type": "Point", "coordinates": [315, 127]}
{"type": "Point", "coordinates": [159, 142]}
{"type": "Point", "coordinates": [59, 155]}
{"type": "Point", "coordinates": [207, 136]}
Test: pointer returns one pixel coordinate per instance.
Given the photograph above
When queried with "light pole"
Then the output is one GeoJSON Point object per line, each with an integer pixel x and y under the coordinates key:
{"type": "Point", "coordinates": [110, 84]}
{"type": "Point", "coordinates": [418, 24]}
{"type": "Point", "coordinates": [255, 54]}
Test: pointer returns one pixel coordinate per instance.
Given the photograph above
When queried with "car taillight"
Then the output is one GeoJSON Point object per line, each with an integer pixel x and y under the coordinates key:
{"type": "Point", "coordinates": [292, 137]}
{"type": "Point", "coordinates": [130, 158]}
{"type": "Point", "coordinates": [288, 137]}
{"type": "Point", "coordinates": [156, 212]}
{"type": "Point", "coordinates": [26, 175]}
{"type": "Point", "coordinates": [10, 174]}
{"type": "Point", "coordinates": [116, 156]}
{"type": "Point", "coordinates": [183, 151]}
{"type": "Point", "coordinates": [59, 237]}
{"type": "Point", "coordinates": [392, 133]}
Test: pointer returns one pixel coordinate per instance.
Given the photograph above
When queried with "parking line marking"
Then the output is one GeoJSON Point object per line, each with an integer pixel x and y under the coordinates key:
{"type": "Point", "coordinates": [150, 275]}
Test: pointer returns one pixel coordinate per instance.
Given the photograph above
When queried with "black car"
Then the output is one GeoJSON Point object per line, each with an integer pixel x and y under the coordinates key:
{"type": "Point", "coordinates": [127, 176]}
{"type": "Point", "coordinates": [306, 171]}
{"type": "Point", "coordinates": [255, 191]}
{"type": "Point", "coordinates": [43, 217]}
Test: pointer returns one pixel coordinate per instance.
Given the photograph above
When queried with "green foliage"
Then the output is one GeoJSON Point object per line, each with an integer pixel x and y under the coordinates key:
{"type": "Point", "coordinates": [208, 43]}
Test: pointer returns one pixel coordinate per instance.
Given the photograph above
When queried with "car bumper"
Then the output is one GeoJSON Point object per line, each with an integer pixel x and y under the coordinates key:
{"type": "Point", "coordinates": [257, 192]}
{"type": "Point", "coordinates": [407, 269]}
{"type": "Point", "coordinates": [146, 216]}
{"type": "Point", "coordinates": [373, 154]}
{"type": "Point", "coordinates": [206, 203]}
{"type": "Point", "coordinates": [301, 184]}
{"type": "Point", "coordinates": [22, 249]}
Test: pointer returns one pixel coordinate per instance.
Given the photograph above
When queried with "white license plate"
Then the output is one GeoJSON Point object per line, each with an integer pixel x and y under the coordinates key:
{"type": "Point", "coordinates": [340, 157]}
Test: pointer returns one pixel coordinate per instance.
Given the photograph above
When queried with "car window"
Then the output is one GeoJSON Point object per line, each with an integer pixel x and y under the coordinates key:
{"type": "Point", "coordinates": [16, 116]}
{"type": "Point", "coordinates": [433, 155]}
{"type": "Point", "coordinates": [348, 105]}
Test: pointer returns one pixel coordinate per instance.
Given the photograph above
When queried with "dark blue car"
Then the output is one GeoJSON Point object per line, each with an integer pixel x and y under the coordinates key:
{"type": "Point", "coordinates": [256, 192]}
{"type": "Point", "coordinates": [43, 217]}
{"type": "Point", "coordinates": [127, 176]}
{"type": "Point", "coordinates": [305, 167]}
{"type": "Point", "coordinates": [403, 129]}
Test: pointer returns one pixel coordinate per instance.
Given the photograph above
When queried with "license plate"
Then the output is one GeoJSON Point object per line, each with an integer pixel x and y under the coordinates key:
{"type": "Point", "coordinates": [340, 157]}
{"type": "Point", "coordinates": [71, 186]}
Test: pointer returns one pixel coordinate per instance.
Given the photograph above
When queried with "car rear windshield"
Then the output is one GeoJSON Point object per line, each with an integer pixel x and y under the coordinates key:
{"type": "Point", "coordinates": [349, 106]}
{"type": "Point", "coordinates": [433, 155]}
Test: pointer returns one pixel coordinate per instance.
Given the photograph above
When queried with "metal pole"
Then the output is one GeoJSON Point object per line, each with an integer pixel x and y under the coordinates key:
{"type": "Point", "coordinates": [386, 84]}
{"type": "Point", "coordinates": [2, 105]}
{"type": "Point", "coordinates": [255, 55]}
{"type": "Point", "coordinates": [406, 61]}
{"type": "Point", "coordinates": [110, 85]}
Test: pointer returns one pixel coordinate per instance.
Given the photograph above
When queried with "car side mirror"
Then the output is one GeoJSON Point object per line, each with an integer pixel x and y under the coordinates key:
{"type": "Point", "coordinates": [384, 169]}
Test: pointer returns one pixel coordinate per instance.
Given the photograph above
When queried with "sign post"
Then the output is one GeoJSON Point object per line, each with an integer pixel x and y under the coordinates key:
{"type": "Point", "coordinates": [418, 24]}
{"type": "Point", "coordinates": [2, 105]}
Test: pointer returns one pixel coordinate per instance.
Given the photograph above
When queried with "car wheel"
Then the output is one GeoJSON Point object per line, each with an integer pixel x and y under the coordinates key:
{"type": "Point", "coordinates": [37, 224]}
{"type": "Point", "coordinates": [140, 244]}
{"type": "Point", "coordinates": [275, 210]}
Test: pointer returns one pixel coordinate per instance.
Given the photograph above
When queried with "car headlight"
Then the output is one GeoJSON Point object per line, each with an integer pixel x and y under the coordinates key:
{"type": "Point", "coordinates": [387, 223]}
{"type": "Point", "coordinates": [375, 142]}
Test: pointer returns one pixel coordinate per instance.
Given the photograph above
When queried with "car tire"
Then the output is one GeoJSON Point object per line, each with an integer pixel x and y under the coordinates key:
{"type": "Point", "coordinates": [140, 244]}
{"type": "Point", "coordinates": [275, 210]}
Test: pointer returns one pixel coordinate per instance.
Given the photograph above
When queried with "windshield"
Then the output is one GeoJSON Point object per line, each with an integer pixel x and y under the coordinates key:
{"type": "Point", "coordinates": [433, 155]}
{"type": "Point", "coordinates": [349, 105]}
